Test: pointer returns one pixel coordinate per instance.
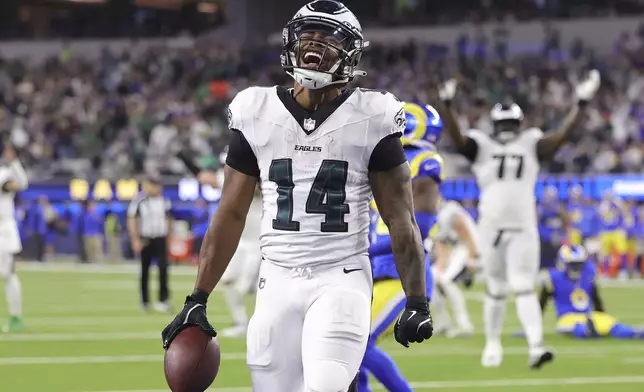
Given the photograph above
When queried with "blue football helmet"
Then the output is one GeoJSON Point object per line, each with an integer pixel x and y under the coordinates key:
{"type": "Point", "coordinates": [424, 126]}
{"type": "Point", "coordinates": [571, 259]}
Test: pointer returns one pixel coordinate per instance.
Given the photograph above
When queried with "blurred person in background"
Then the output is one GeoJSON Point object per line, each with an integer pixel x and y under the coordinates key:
{"type": "Point", "coordinates": [93, 231]}
{"type": "Point", "coordinates": [199, 222]}
{"type": "Point", "coordinates": [113, 237]}
{"type": "Point", "coordinates": [614, 217]}
{"type": "Point", "coordinates": [457, 251]}
{"type": "Point", "coordinates": [40, 215]}
{"type": "Point", "coordinates": [638, 234]}
{"type": "Point", "coordinates": [582, 217]}
{"type": "Point", "coordinates": [506, 165]}
{"type": "Point", "coordinates": [553, 226]}
{"type": "Point", "coordinates": [580, 309]}
{"type": "Point", "coordinates": [242, 274]}
{"type": "Point", "coordinates": [149, 224]}
{"type": "Point", "coordinates": [51, 219]}
{"type": "Point", "coordinates": [13, 179]}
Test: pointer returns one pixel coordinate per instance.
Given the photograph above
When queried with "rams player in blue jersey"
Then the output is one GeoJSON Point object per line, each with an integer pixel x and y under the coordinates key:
{"type": "Point", "coordinates": [580, 310]}
{"type": "Point", "coordinates": [583, 217]}
{"type": "Point", "coordinates": [553, 225]}
{"type": "Point", "coordinates": [422, 132]}
{"type": "Point", "coordinates": [613, 219]}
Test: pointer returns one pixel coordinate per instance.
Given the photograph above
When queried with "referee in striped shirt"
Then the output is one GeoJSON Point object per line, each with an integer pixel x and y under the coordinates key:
{"type": "Point", "coordinates": [149, 222]}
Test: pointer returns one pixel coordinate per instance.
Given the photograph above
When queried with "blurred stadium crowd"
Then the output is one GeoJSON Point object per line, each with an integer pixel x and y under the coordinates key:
{"type": "Point", "coordinates": [120, 114]}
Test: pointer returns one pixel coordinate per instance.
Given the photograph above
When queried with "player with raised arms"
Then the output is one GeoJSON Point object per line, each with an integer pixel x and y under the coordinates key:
{"type": "Point", "coordinates": [506, 165]}
{"type": "Point", "coordinates": [422, 133]}
{"type": "Point", "coordinates": [318, 150]}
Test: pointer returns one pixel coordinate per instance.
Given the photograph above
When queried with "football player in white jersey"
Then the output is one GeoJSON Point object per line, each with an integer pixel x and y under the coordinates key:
{"type": "Point", "coordinates": [12, 179]}
{"type": "Point", "coordinates": [457, 254]}
{"type": "Point", "coordinates": [318, 151]}
{"type": "Point", "coordinates": [506, 165]}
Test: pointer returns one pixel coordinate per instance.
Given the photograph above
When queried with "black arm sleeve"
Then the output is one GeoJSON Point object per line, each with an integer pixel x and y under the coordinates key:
{"type": "Point", "coordinates": [543, 299]}
{"type": "Point", "coordinates": [387, 154]}
{"type": "Point", "coordinates": [241, 156]}
{"type": "Point", "coordinates": [469, 150]}
{"type": "Point", "coordinates": [5, 186]}
{"type": "Point", "coordinates": [598, 304]}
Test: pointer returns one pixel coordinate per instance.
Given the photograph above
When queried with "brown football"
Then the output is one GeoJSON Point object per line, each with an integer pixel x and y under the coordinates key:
{"type": "Point", "coordinates": [192, 361]}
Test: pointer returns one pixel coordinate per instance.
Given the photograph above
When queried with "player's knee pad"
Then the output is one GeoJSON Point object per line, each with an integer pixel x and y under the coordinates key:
{"type": "Point", "coordinates": [329, 376]}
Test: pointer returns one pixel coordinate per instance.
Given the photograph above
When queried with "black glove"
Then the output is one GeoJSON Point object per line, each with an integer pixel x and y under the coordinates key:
{"type": "Point", "coordinates": [415, 324]}
{"type": "Point", "coordinates": [192, 314]}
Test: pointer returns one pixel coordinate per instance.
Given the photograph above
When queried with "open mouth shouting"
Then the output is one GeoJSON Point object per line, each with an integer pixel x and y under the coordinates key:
{"type": "Point", "coordinates": [312, 59]}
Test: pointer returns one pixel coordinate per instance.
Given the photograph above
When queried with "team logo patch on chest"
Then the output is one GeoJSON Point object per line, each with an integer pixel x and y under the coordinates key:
{"type": "Point", "coordinates": [579, 299]}
{"type": "Point", "coordinates": [309, 124]}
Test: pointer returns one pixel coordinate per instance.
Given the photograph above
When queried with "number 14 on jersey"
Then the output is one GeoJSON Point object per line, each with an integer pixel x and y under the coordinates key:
{"type": "Point", "coordinates": [326, 197]}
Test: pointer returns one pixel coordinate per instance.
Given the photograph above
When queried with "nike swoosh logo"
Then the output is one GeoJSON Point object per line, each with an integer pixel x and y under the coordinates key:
{"type": "Point", "coordinates": [348, 271]}
{"type": "Point", "coordinates": [190, 311]}
{"type": "Point", "coordinates": [422, 323]}
{"type": "Point", "coordinates": [413, 313]}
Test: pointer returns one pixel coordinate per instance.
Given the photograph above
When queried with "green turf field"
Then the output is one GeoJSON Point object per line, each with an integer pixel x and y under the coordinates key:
{"type": "Point", "coordinates": [86, 333]}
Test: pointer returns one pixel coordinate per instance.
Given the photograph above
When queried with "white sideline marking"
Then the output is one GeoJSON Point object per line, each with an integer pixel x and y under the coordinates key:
{"type": "Point", "coordinates": [510, 351]}
{"type": "Point", "coordinates": [498, 383]}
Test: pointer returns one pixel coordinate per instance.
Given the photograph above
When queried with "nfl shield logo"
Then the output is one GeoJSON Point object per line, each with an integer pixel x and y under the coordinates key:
{"type": "Point", "coordinates": [309, 124]}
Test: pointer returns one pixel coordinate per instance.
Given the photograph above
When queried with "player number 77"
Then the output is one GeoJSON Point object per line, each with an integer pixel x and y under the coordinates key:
{"type": "Point", "coordinates": [502, 162]}
{"type": "Point", "coordinates": [326, 197]}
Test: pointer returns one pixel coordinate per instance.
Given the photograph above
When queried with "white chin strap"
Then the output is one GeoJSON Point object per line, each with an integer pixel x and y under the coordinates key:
{"type": "Point", "coordinates": [314, 80]}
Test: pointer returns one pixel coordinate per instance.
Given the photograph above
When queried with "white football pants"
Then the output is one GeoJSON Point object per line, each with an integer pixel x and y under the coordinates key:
{"type": "Point", "coordinates": [311, 325]}
{"type": "Point", "coordinates": [510, 261]}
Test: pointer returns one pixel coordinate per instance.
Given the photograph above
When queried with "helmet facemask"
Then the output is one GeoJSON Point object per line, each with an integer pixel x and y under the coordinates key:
{"type": "Point", "coordinates": [320, 51]}
{"type": "Point", "coordinates": [506, 130]}
{"type": "Point", "coordinates": [574, 269]}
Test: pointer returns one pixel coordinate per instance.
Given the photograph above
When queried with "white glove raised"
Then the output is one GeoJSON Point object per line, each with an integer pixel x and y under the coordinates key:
{"type": "Point", "coordinates": [447, 91]}
{"type": "Point", "coordinates": [586, 89]}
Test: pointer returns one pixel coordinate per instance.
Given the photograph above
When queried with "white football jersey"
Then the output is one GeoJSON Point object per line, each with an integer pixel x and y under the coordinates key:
{"type": "Point", "coordinates": [7, 207]}
{"type": "Point", "coordinates": [9, 235]}
{"type": "Point", "coordinates": [448, 212]}
{"type": "Point", "coordinates": [506, 175]}
{"type": "Point", "coordinates": [314, 170]}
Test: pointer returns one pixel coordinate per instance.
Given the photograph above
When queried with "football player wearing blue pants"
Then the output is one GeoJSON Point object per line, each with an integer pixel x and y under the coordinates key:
{"type": "Point", "coordinates": [580, 310]}
{"type": "Point", "coordinates": [422, 131]}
